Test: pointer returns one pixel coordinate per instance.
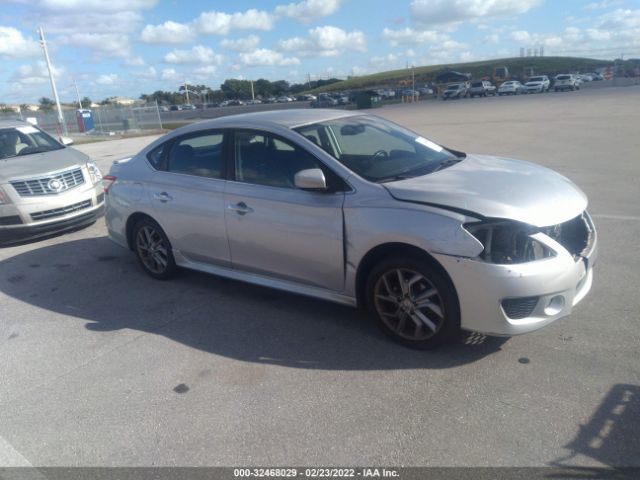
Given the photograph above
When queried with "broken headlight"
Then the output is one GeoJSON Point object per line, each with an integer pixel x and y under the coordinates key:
{"type": "Point", "coordinates": [508, 242]}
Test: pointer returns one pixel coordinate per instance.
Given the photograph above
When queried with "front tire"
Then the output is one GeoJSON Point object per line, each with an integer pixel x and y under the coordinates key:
{"type": "Point", "coordinates": [412, 302]}
{"type": "Point", "coordinates": [153, 250]}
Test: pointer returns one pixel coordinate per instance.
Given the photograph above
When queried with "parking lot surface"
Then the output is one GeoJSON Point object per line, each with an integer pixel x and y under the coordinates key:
{"type": "Point", "coordinates": [103, 366]}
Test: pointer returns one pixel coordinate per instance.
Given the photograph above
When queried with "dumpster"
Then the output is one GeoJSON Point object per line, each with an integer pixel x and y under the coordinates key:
{"type": "Point", "coordinates": [368, 99]}
{"type": "Point", "coordinates": [85, 120]}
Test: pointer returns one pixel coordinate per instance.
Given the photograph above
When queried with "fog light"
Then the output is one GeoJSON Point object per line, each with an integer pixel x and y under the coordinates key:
{"type": "Point", "coordinates": [555, 306]}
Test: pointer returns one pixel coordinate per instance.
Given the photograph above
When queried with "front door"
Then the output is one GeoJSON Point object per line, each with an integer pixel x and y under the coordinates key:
{"type": "Point", "coordinates": [274, 228]}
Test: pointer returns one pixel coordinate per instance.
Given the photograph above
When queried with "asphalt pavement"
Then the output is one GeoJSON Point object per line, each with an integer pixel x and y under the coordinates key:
{"type": "Point", "coordinates": [104, 366]}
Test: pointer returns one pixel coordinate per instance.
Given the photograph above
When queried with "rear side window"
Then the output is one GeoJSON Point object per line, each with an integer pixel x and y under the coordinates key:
{"type": "Point", "coordinates": [199, 155]}
{"type": "Point", "coordinates": [155, 157]}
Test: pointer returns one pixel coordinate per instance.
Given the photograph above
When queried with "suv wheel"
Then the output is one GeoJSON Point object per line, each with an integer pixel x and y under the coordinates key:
{"type": "Point", "coordinates": [413, 303]}
{"type": "Point", "coordinates": [153, 249]}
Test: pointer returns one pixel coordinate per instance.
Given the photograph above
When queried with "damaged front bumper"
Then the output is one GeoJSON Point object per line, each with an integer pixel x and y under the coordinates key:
{"type": "Point", "coordinates": [512, 299]}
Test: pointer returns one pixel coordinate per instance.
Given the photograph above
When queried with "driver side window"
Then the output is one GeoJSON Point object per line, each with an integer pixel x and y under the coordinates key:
{"type": "Point", "coordinates": [264, 159]}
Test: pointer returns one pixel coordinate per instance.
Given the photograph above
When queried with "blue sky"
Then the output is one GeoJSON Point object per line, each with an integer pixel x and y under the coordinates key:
{"type": "Point", "coordinates": [129, 47]}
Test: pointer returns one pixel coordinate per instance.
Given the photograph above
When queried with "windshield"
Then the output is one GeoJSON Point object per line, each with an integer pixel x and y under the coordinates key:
{"type": "Point", "coordinates": [453, 87]}
{"type": "Point", "coordinates": [536, 79]}
{"type": "Point", "coordinates": [376, 149]}
{"type": "Point", "coordinates": [563, 77]}
{"type": "Point", "coordinates": [25, 140]}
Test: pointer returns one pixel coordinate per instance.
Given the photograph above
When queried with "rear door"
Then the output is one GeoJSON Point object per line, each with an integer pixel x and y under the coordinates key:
{"type": "Point", "coordinates": [187, 194]}
{"type": "Point", "coordinates": [274, 228]}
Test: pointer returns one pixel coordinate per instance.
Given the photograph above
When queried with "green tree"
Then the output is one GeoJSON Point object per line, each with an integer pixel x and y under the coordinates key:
{"type": "Point", "coordinates": [46, 104]}
{"type": "Point", "coordinates": [86, 102]}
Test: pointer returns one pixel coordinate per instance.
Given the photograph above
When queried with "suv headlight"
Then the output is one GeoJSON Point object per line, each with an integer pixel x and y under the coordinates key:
{"type": "Point", "coordinates": [508, 242]}
{"type": "Point", "coordinates": [94, 172]}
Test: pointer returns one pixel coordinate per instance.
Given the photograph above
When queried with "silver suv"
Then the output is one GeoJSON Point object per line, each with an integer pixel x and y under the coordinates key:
{"type": "Point", "coordinates": [566, 81]}
{"type": "Point", "coordinates": [45, 186]}
{"type": "Point", "coordinates": [357, 210]}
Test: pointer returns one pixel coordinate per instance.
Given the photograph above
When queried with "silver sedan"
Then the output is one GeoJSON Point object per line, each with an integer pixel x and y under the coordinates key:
{"type": "Point", "coordinates": [357, 210]}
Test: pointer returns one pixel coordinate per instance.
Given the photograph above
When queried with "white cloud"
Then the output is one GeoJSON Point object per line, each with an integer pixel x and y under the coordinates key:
{"type": "Point", "coordinates": [357, 71]}
{"type": "Point", "coordinates": [220, 23]}
{"type": "Point", "coordinates": [521, 36]}
{"type": "Point", "coordinates": [443, 12]}
{"type": "Point", "coordinates": [108, 79]}
{"type": "Point", "coordinates": [265, 57]}
{"type": "Point", "coordinates": [104, 44]}
{"type": "Point", "coordinates": [620, 19]}
{"type": "Point", "coordinates": [146, 74]}
{"type": "Point", "coordinates": [168, 32]}
{"type": "Point", "coordinates": [325, 41]}
{"type": "Point", "coordinates": [492, 38]}
{"type": "Point", "coordinates": [15, 45]}
{"type": "Point", "coordinates": [601, 5]}
{"type": "Point", "coordinates": [245, 44]}
{"type": "Point", "coordinates": [308, 11]}
{"type": "Point", "coordinates": [35, 74]}
{"type": "Point", "coordinates": [197, 54]}
{"type": "Point", "coordinates": [134, 61]}
{"type": "Point", "coordinates": [388, 61]}
{"type": "Point", "coordinates": [170, 74]}
{"type": "Point", "coordinates": [253, 20]}
{"type": "Point", "coordinates": [409, 36]}
{"type": "Point", "coordinates": [205, 71]}
{"type": "Point", "coordinates": [94, 5]}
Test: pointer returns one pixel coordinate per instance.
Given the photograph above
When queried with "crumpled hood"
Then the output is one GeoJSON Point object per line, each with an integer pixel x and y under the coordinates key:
{"type": "Point", "coordinates": [497, 188]}
{"type": "Point", "coordinates": [37, 164]}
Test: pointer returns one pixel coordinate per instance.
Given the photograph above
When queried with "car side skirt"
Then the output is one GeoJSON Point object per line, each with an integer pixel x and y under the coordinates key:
{"type": "Point", "coordinates": [265, 281]}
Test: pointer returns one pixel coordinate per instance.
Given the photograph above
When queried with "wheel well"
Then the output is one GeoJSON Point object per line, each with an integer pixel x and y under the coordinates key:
{"type": "Point", "coordinates": [375, 255]}
{"type": "Point", "coordinates": [131, 223]}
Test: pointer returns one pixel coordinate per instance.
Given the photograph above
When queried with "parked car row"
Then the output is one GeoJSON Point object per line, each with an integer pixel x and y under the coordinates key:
{"type": "Point", "coordinates": [535, 84]}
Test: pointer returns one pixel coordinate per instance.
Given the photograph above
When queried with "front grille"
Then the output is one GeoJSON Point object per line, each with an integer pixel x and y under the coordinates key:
{"type": "Point", "coordinates": [576, 235]}
{"type": "Point", "coordinates": [10, 220]}
{"type": "Point", "coordinates": [42, 186]}
{"type": "Point", "coordinates": [59, 212]}
{"type": "Point", "coordinates": [517, 308]}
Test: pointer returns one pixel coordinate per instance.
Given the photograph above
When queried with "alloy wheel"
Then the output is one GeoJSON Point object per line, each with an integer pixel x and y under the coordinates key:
{"type": "Point", "coordinates": [152, 249]}
{"type": "Point", "coordinates": [409, 304]}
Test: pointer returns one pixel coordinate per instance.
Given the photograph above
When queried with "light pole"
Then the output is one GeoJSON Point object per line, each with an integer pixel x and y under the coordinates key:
{"type": "Point", "coordinates": [413, 82]}
{"type": "Point", "coordinates": [53, 82]}
{"type": "Point", "coordinates": [78, 94]}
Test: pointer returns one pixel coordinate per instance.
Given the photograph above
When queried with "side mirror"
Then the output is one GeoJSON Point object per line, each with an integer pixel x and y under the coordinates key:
{"type": "Point", "coordinates": [66, 141]}
{"type": "Point", "coordinates": [310, 179]}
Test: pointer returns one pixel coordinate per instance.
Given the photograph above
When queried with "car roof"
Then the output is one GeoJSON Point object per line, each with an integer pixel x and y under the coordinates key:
{"type": "Point", "coordinates": [288, 118]}
{"type": "Point", "coordinates": [10, 123]}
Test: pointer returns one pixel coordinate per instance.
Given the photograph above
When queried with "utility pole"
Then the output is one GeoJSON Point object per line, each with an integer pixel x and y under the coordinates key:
{"type": "Point", "coordinates": [413, 83]}
{"type": "Point", "coordinates": [253, 97]}
{"type": "Point", "coordinates": [186, 90]}
{"type": "Point", "coordinates": [53, 82]}
{"type": "Point", "coordinates": [78, 94]}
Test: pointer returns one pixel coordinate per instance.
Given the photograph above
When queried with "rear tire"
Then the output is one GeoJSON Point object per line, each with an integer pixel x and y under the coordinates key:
{"type": "Point", "coordinates": [153, 250]}
{"type": "Point", "coordinates": [412, 302]}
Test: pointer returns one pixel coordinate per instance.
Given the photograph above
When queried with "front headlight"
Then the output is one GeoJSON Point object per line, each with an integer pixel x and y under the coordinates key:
{"type": "Point", "coordinates": [508, 242]}
{"type": "Point", "coordinates": [94, 172]}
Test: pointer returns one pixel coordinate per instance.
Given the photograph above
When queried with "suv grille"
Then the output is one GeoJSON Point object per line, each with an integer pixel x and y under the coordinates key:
{"type": "Point", "coordinates": [59, 212]}
{"type": "Point", "coordinates": [517, 308]}
{"type": "Point", "coordinates": [46, 186]}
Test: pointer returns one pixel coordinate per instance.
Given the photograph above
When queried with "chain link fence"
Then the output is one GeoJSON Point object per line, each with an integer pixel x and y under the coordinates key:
{"type": "Point", "coordinates": [107, 120]}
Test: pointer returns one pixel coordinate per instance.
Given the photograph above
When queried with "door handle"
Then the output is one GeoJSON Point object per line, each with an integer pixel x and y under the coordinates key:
{"type": "Point", "coordinates": [164, 197]}
{"type": "Point", "coordinates": [240, 208]}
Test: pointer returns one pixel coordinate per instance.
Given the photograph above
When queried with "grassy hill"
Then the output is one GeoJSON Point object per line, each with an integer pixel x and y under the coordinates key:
{"type": "Point", "coordinates": [426, 74]}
